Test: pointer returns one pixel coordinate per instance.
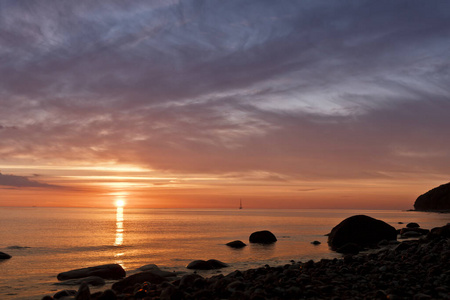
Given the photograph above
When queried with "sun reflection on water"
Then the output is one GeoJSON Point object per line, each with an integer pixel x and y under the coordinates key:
{"type": "Point", "coordinates": [119, 227]}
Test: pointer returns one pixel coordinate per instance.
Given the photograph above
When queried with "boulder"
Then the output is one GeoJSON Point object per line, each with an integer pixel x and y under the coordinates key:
{"type": "Point", "coordinates": [412, 225]}
{"type": "Point", "coordinates": [211, 264]}
{"type": "Point", "coordinates": [236, 244]}
{"type": "Point", "coordinates": [316, 243]}
{"type": "Point", "coordinates": [109, 271]}
{"type": "Point", "coordinates": [262, 237]}
{"type": "Point", "coordinates": [436, 199]}
{"type": "Point", "coordinates": [361, 230]}
{"type": "Point", "coordinates": [139, 278]}
{"type": "Point", "coordinates": [4, 255]}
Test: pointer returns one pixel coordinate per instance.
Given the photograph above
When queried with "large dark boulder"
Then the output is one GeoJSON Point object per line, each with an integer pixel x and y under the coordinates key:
{"type": "Point", "coordinates": [262, 237]}
{"type": "Point", "coordinates": [435, 199]}
{"type": "Point", "coordinates": [361, 230]}
{"type": "Point", "coordinates": [109, 271]}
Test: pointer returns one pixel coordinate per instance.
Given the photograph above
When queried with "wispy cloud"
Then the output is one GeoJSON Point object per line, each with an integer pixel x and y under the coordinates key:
{"type": "Point", "coordinates": [305, 90]}
{"type": "Point", "coordinates": [22, 182]}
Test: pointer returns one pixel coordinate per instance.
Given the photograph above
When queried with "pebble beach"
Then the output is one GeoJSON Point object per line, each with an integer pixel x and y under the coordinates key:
{"type": "Point", "coordinates": [412, 269]}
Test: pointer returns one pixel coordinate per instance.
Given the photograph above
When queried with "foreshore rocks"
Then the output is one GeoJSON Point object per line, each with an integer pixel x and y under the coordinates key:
{"type": "Point", "coordinates": [361, 230]}
{"type": "Point", "coordinates": [437, 199]}
{"type": "Point", "coordinates": [109, 271]}
{"type": "Point", "coordinates": [262, 237]}
{"type": "Point", "coordinates": [413, 269]}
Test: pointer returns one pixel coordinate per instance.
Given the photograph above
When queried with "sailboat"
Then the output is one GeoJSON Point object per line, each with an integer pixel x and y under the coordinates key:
{"type": "Point", "coordinates": [240, 204]}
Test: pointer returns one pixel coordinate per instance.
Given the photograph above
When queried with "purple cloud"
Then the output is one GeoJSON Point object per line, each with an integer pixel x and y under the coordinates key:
{"type": "Point", "coordinates": [22, 182]}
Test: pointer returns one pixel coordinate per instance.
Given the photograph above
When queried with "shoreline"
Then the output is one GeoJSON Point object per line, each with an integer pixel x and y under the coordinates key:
{"type": "Point", "coordinates": [411, 269]}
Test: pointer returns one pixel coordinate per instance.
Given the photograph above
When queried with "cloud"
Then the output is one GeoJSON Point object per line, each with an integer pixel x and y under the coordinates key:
{"type": "Point", "coordinates": [22, 182]}
{"type": "Point", "coordinates": [289, 89]}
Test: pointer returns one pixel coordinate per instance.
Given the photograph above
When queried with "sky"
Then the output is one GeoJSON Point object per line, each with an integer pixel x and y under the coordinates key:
{"type": "Point", "coordinates": [283, 104]}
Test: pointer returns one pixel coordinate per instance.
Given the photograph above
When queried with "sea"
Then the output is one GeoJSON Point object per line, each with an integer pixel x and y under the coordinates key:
{"type": "Point", "coordinates": [46, 241]}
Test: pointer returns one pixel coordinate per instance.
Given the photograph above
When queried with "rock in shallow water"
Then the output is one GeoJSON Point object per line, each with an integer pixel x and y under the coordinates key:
{"type": "Point", "coordinates": [4, 255]}
{"type": "Point", "coordinates": [109, 271]}
{"type": "Point", "coordinates": [361, 230]}
{"type": "Point", "coordinates": [262, 237]}
{"type": "Point", "coordinates": [236, 244]}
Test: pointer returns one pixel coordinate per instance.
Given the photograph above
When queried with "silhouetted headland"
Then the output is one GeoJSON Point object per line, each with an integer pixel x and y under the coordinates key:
{"type": "Point", "coordinates": [435, 200]}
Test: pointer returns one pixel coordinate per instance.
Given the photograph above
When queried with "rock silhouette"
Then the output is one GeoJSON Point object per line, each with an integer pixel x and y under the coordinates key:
{"type": "Point", "coordinates": [262, 237]}
{"type": "Point", "coordinates": [109, 271]}
{"type": "Point", "coordinates": [236, 244]}
{"type": "Point", "coordinates": [4, 255]}
{"type": "Point", "coordinates": [361, 230]}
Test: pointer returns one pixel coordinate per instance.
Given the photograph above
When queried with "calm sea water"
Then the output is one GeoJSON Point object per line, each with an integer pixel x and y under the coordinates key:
{"type": "Point", "coordinates": [47, 241]}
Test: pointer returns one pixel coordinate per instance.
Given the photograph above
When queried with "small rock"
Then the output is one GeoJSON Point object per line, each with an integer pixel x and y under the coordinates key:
{"type": "Point", "coordinates": [236, 244]}
{"type": "Point", "coordinates": [83, 292]}
{"type": "Point", "coordinates": [4, 255]}
{"type": "Point", "coordinates": [188, 279]}
{"type": "Point", "coordinates": [316, 243]}
{"type": "Point", "coordinates": [156, 270]}
{"type": "Point", "coordinates": [64, 293]}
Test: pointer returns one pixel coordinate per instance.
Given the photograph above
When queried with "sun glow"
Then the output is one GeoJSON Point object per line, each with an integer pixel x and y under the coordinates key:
{"type": "Point", "coordinates": [120, 203]}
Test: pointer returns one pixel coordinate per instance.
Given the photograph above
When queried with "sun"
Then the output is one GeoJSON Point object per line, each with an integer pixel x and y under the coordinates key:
{"type": "Point", "coordinates": [120, 203]}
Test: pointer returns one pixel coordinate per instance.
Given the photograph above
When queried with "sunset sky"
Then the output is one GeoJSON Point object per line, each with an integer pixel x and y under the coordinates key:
{"type": "Point", "coordinates": [283, 104]}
